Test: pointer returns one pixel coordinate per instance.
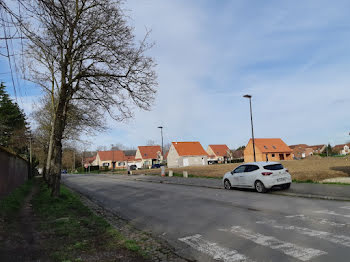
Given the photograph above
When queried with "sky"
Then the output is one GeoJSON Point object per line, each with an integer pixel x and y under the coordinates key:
{"type": "Point", "coordinates": [293, 57]}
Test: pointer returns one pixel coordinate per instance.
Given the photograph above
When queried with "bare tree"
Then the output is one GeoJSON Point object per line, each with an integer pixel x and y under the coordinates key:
{"type": "Point", "coordinates": [84, 50]}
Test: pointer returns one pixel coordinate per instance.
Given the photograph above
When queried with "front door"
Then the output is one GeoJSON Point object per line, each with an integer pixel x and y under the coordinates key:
{"type": "Point", "coordinates": [281, 156]}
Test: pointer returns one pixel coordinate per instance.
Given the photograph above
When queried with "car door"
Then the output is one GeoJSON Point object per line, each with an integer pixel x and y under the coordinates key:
{"type": "Point", "coordinates": [237, 175]}
{"type": "Point", "coordinates": [249, 175]}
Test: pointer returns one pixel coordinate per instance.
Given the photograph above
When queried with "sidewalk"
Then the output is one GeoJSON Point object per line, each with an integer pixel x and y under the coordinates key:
{"type": "Point", "coordinates": [309, 190]}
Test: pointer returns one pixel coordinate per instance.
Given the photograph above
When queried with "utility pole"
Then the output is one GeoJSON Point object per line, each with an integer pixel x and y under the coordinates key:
{"type": "Point", "coordinates": [251, 121]}
{"type": "Point", "coordinates": [161, 133]}
{"type": "Point", "coordinates": [73, 160]}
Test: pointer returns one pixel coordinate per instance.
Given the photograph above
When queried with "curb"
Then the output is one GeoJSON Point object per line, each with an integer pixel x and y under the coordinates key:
{"type": "Point", "coordinates": [281, 193]}
{"type": "Point", "coordinates": [334, 198]}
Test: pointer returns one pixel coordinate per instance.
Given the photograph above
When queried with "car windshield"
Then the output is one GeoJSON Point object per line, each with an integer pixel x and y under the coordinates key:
{"type": "Point", "coordinates": [274, 167]}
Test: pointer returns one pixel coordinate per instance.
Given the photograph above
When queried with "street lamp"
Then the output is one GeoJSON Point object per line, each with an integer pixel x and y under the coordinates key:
{"type": "Point", "coordinates": [251, 121]}
{"type": "Point", "coordinates": [161, 133]}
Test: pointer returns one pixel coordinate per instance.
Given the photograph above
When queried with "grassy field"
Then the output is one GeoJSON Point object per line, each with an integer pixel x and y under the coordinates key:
{"type": "Point", "coordinates": [313, 168]}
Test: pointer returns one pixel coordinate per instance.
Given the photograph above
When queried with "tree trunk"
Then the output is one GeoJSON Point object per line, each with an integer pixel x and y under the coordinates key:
{"type": "Point", "coordinates": [48, 173]}
{"type": "Point", "coordinates": [56, 159]}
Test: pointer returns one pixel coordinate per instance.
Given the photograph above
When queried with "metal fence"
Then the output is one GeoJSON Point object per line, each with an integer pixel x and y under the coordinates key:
{"type": "Point", "coordinates": [13, 171]}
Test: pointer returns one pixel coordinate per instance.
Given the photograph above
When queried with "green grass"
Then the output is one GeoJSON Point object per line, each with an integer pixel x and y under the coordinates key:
{"type": "Point", "coordinates": [10, 205]}
{"type": "Point", "coordinates": [74, 229]}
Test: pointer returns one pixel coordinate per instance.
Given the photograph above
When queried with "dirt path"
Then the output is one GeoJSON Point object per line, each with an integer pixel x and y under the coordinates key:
{"type": "Point", "coordinates": [20, 240]}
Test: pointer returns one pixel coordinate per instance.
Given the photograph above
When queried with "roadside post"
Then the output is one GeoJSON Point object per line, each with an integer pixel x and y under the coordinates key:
{"type": "Point", "coordinates": [185, 174]}
{"type": "Point", "coordinates": [162, 168]}
{"type": "Point", "coordinates": [170, 173]}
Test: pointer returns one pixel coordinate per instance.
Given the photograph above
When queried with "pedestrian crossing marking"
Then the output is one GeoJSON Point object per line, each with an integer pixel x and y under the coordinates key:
{"type": "Point", "coordinates": [213, 249]}
{"type": "Point", "coordinates": [301, 253]}
{"type": "Point", "coordinates": [322, 221]}
{"type": "Point", "coordinates": [337, 239]}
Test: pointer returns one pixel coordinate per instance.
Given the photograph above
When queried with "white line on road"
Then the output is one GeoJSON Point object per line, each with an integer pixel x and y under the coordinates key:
{"type": "Point", "coordinates": [346, 207]}
{"type": "Point", "coordinates": [214, 250]}
{"type": "Point", "coordinates": [321, 221]}
{"type": "Point", "coordinates": [329, 212]}
{"type": "Point", "coordinates": [337, 239]}
{"type": "Point", "coordinates": [287, 248]}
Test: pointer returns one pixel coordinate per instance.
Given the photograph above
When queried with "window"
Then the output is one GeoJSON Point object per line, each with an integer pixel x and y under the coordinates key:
{"type": "Point", "coordinates": [265, 147]}
{"type": "Point", "coordinates": [239, 169]}
{"type": "Point", "coordinates": [274, 167]}
{"type": "Point", "coordinates": [274, 147]}
{"type": "Point", "coordinates": [273, 155]}
{"type": "Point", "coordinates": [105, 164]}
{"type": "Point", "coordinates": [251, 168]}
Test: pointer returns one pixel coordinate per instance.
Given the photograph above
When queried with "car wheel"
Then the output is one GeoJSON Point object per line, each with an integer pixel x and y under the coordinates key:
{"type": "Point", "coordinates": [259, 187]}
{"type": "Point", "coordinates": [286, 186]}
{"type": "Point", "coordinates": [227, 184]}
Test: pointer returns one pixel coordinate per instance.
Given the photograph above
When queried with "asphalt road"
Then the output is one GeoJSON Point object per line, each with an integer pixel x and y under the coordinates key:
{"type": "Point", "coordinates": [217, 225]}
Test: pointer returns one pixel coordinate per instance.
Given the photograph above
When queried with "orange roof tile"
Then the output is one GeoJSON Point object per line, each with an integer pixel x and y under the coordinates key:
{"type": "Point", "coordinates": [219, 150]}
{"type": "Point", "coordinates": [115, 155]}
{"type": "Point", "coordinates": [89, 160]}
{"type": "Point", "coordinates": [129, 158]}
{"type": "Point", "coordinates": [273, 145]}
{"type": "Point", "coordinates": [149, 152]}
{"type": "Point", "coordinates": [189, 149]}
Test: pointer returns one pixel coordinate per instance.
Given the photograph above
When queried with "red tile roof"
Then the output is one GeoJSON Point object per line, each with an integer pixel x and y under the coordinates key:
{"type": "Point", "coordinates": [89, 160]}
{"type": "Point", "coordinates": [129, 158]}
{"type": "Point", "coordinates": [317, 147]}
{"type": "Point", "coordinates": [299, 146]}
{"type": "Point", "coordinates": [273, 145]}
{"type": "Point", "coordinates": [149, 152]}
{"type": "Point", "coordinates": [116, 155]}
{"type": "Point", "coordinates": [219, 150]}
{"type": "Point", "coordinates": [338, 148]}
{"type": "Point", "coordinates": [189, 149]}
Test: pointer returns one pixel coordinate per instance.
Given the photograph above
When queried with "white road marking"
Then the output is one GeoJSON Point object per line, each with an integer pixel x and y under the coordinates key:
{"type": "Point", "coordinates": [287, 248]}
{"type": "Point", "coordinates": [346, 207]}
{"type": "Point", "coordinates": [329, 212]}
{"type": "Point", "coordinates": [213, 249]}
{"type": "Point", "coordinates": [337, 239]}
{"type": "Point", "coordinates": [321, 221]}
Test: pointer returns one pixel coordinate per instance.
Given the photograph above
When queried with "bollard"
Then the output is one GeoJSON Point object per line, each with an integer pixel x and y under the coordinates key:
{"type": "Point", "coordinates": [162, 172]}
{"type": "Point", "coordinates": [185, 174]}
{"type": "Point", "coordinates": [170, 173]}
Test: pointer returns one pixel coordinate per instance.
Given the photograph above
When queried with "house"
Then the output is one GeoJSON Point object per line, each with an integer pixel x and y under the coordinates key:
{"type": "Point", "coordinates": [89, 160]}
{"type": "Point", "coordinates": [301, 151]}
{"type": "Point", "coordinates": [318, 149]}
{"type": "Point", "coordinates": [148, 156]}
{"type": "Point", "coordinates": [271, 149]}
{"type": "Point", "coordinates": [186, 154]}
{"type": "Point", "coordinates": [343, 149]}
{"type": "Point", "coordinates": [112, 159]}
{"type": "Point", "coordinates": [218, 153]}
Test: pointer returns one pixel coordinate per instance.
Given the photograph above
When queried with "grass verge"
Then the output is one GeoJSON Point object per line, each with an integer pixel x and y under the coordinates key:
{"type": "Point", "coordinates": [10, 205]}
{"type": "Point", "coordinates": [74, 233]}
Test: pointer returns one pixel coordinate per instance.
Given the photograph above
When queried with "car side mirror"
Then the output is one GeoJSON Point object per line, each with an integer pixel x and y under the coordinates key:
{"type": "Point", "coordinates": [232, 172]}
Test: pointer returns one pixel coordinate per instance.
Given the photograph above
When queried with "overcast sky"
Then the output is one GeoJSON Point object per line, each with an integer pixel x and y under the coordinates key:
{"type": "Point", "coordinates": [292, 57]}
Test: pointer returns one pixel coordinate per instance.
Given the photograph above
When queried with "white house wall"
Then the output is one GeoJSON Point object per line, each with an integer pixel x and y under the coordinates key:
{"type": "Point", "coordinates": [173, 157]}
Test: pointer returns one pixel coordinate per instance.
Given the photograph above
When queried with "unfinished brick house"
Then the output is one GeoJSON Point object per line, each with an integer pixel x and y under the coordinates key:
{"type": "Point", "coordinates": [271, 149]}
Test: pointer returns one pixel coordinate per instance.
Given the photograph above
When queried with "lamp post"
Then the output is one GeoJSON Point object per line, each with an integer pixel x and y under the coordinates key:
{"type": "Point", "coordinates": [161, 133]}
{"type": "Point", "coordinates": [251, 121]}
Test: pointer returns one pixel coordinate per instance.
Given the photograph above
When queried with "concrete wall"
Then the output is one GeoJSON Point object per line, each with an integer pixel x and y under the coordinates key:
{"type": "Point", "coordinates": [13, 171]}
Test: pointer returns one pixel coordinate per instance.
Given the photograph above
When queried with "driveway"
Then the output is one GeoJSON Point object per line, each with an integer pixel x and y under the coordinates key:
{"type": "Point", "coordinates": [207, 224]}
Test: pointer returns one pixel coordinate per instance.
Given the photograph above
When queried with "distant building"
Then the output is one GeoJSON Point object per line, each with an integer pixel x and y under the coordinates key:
{"type": "Point", "coordinates": [318, 149]}
{"type": "Point", "coordinates": [146, 156]}
{"type": "Point", "coordinates": [342, 149]}
{"type": "Point", "coordinates": [219, 153]}
{"type": "Point", "coordinates": [114, 159]}
{"type": "Point", "coordinates": [183, 154]}
{"type": "Point", "coordinates": [272, 149]}
{"type": "Point", "coordinates": [301, 151]}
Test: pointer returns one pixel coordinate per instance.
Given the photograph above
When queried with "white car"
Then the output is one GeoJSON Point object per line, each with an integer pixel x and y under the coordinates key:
{"type": "Point", "coordinates": [259, 175]}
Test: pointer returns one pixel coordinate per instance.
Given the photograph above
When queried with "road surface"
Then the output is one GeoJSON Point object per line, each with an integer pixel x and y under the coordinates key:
{"type": "Point", "coordinates": [206, 224]}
